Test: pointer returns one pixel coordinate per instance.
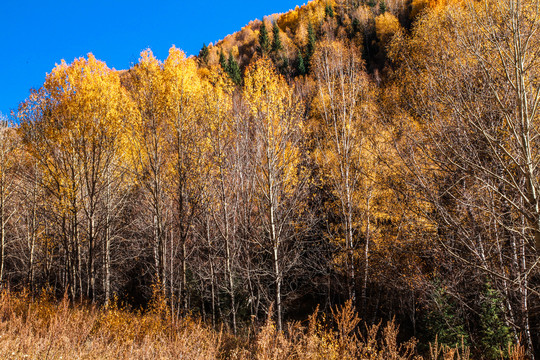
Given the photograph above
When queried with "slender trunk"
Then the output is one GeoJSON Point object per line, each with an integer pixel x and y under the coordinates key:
{"type": "Point", "coordinates": [79, 263]}
{"type": "Point", "coordinates": [91, 276]}
{"type": "Point", "coordinates": [2, 227]}
{"type": "Point", "coordinates": [366, 256]}
{"type": "Point", "coordinates": [184, 276]}
{"type": "Point", "coordinates": [228, 254]}
{"type": "Point", "coordinates": [350, 243]}
{"type": "Point", "coordinates": [107, 257]}
{"type": "Point", "coordinates": [171, 270]}
{"type": "Point", "coordinates": [32, 237]}
{"type": "Point", "coordinates": [212, 275]}
{"type": "Point", "coordinates": [275, 247]}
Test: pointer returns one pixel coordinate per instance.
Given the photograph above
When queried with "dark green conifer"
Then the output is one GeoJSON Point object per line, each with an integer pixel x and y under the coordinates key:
{"type": "Point", "coordinates": [301, 67]}
{"type": "Point", "coordinates": [382, 7]}
{"type": "Point", "coordinates": [264, 40]}
{"type": "Point", "coordinates": [310, 48]}
{"type": "Point", "coordinates": [329, 11]}
{"type": "Point", "coordinates": [355, 26]}
{"type": "Point", "coordinates": [222, 60]}
{"type": "Point", "coordinates": [203, 54]}
{"type": "Point", "coordinates": [495, 335]}
{"type": "Point", "coordinates": [276, 44]}
{"type": "Point", "coordinates": [234, 70]}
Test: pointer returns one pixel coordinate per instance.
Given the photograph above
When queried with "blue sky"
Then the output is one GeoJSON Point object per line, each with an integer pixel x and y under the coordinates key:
{"type": "Point", "coordinates": [34, 35]}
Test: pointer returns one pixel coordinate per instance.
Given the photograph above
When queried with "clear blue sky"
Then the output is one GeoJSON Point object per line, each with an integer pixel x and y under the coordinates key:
{"type": "Point", "coordinates": [34, 35]}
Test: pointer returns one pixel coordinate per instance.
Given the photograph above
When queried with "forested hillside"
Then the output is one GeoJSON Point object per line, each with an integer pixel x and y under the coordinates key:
{"type": "Point", "coordinates": [384, 153]}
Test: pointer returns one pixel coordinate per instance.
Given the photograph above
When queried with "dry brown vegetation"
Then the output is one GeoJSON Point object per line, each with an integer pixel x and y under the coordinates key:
{"type": "Point", "coordinates": [43, 328]}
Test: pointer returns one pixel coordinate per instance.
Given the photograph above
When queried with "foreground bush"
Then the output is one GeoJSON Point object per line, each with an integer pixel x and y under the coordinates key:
{"type": "Point", "coordinates": [46, 329]}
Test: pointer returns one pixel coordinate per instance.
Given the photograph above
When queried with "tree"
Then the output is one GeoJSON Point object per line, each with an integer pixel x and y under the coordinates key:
{"type": "Point", "coordinates": [183, 100]}
{"type": "Point", "coordinates": [329, 11]}
{"type": "Point", "coordinates": [382, 7]}
{"type": "Point", "coordinates": [222, 60]}
{"type": "Point", "coordinates": [344, 108]}
{"type": "Point", "coordinates": [386, 25]}
{"type": "Point", "coordinates": [234, 70]}
{"type": "Point", "coordinates": [73, 127]}
{"type": "Point", "coordinates": [150, 153]}
{"type": "Point", "coordinates": [203, 54]}
{"type": "Point", "coordinates": [264, 40]}
{"type": "Point", "coordinates": [222, 198]}
{"type": "Point", "coordinates": [276, 42]}
{"type": "Point", "coordinates": [495, 334]}
{"type": "Point", "coordinates": [310, 47]}
{"type": "Point", "coordinates": [8, 148]}
{"type": "Point", "coordinates": [301, 67]}
{"type": "Point", "coordinates": [279, 177]}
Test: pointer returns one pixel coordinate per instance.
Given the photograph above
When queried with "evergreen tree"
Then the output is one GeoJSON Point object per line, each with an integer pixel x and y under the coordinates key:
{"type": "Point", "coordinates": [276, 44]}
{"type": "Point", "coordinates": [382, 7]}
{"type": "Point", "coordinates": [264, 40]}
{"type": "Point", "coordinates": [203, 54]}
{"type": "Point", "coordinates": [495, 335]}
{"type": "Point", "coordinates": [445, 322]}
{"type": "Point", "coordinates": [234, 70]}
{"type": "Point", "coordinates": [329, 11]}
{"type": "Point", "coordinates": [284, 67]}
{"type": "Point", "coordinates": [355, 26]}
{"type": "Point", "coordinates": [222, 60]}
{"type": "Point", "coordinates": [301, 67]}
{"type": "Point", "coordinates": [310, 49]}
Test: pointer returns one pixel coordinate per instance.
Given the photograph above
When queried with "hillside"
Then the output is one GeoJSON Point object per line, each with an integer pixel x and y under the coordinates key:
{"type": "Point", "coordinates": [368, 25]}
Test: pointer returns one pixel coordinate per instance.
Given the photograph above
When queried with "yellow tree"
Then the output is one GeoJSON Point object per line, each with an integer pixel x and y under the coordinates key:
{"type": "Point", "coordinates": [182, 101]}
{"type": "Point", "coordinates": [345, 112]}
{"type": "Point", "coordinates": [277, 116]}
{"type": "Point", "coordinates": [223, 185]}
{"type": "Point", "coordinates": [73, 127]}
{"type": "Point", "coordinates": [149, 151]}
{"type": "Point", "coordinates": [8, 148]}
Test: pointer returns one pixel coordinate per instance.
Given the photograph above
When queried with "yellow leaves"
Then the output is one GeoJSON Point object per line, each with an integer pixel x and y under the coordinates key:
{"type": "Point", "coordinates": [266, 92]}
{"type": "Point", "coordinates": [87, 98]}
{"type": "Point", "coordinates": [276, 116]}
{"type": "Point", "coordinates": [386, 25]}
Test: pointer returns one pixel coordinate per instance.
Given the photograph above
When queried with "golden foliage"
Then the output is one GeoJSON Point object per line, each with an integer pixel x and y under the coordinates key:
{"type": "Point", "coordinates": [386, 25]}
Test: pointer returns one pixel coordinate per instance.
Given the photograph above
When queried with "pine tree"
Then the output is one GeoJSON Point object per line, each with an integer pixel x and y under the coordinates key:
{"type": "Point", "coordinates": [276, 44]}
{"type": "Point", "coordinates": [495, 335]}
{"type": "Point", "coordinates": [301, 67]}
{"type": "Point", "coordinates": [382, 7]}
{"type": "Point", "coordinates": [310, 46]}
{"type": "Point", "coordinates": [284, 67]}
{"type": "Point", "coordinates": [234, 70]}
{"type": "Point", "coordinates": [203, 54]}
{"type": "Point", "coordinates": [329, 11]}
{"type": "Point", "coordinates": [264, 41]}
{"type": "Point", "coordinates": [222, 60]}
{"type": "Point", "coordinates": [355, 26]}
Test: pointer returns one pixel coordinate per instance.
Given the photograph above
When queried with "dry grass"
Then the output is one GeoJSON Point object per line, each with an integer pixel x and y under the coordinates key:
{"type": "Point", "coordinates": [43, 329]}
{"type": "Point", "coordinates": [46, 329]}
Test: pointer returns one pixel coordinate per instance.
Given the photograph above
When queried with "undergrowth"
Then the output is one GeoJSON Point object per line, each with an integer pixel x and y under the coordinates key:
{"type": "Point", "coordinates": [44, 328]}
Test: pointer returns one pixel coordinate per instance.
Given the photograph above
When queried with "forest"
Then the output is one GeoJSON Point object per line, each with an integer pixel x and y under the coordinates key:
{"type": "Point", "coordinates": [350, 179]}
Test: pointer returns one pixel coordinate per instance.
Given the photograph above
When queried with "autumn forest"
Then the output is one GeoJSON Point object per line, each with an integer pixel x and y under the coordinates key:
{"type": "Point", "coordinates": [351, 179]}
